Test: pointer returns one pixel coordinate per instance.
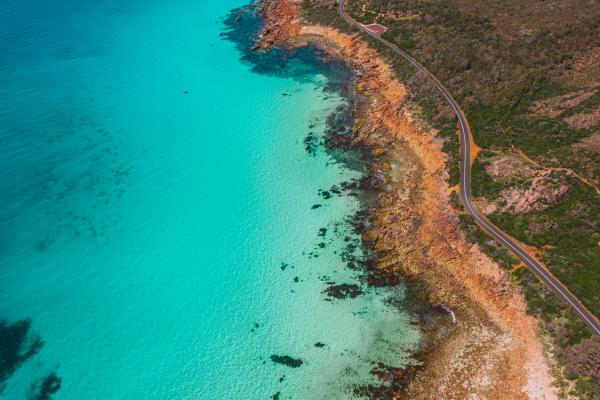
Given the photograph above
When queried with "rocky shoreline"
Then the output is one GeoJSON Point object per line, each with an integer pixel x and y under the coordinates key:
{"type": "Point", "coordinates": [478, 340]}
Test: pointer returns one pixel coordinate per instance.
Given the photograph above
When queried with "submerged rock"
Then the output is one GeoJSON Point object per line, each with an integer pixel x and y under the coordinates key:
{"type": "Point", "coordinates": [17, 345]}
{"type": "Point", "coordinates": [311, 141]}
{"type": "Point", "coordinates": [47, 387]}
{"type": "Point", "coordinates": [287, 360]}
{"type": "Point", "coordinates": [344, 291]}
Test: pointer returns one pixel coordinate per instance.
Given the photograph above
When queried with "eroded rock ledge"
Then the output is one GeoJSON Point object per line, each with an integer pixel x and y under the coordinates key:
{"type": "Point", "coordinates": [493, 350]}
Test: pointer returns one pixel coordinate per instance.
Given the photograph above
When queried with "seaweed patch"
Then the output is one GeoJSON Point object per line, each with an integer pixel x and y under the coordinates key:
{"type": "Point", "coordinates": [17, 345]}
{"type": "Point", "coordinates": [344, 291]}
{"type": "Point", "coordinates": [311, 142]}
{"type": "Point", "coordinates": [287, 361]}
{"type": "Point", "coordinates": [46, 388]}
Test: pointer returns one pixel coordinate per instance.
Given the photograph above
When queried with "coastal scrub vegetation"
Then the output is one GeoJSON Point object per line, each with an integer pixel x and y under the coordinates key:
{"type": "Point", "coordinates": [527, 75]}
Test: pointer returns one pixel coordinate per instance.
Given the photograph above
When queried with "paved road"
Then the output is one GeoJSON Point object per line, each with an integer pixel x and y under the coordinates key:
{"type": "Point", "coordinates": [465, 187]}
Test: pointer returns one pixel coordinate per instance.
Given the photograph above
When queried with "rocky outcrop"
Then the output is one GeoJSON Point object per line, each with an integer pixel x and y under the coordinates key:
{"type": "Point", "coordinates": [281, 24]}
{"type": "Point", "coordinates": [542, 192]}
{"type": "Point", "coordinates": [509, 166]}
{"type": "Point", "coordinates": [529, 188]}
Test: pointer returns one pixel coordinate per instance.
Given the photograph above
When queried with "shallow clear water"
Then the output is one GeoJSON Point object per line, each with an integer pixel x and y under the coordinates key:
{"type": "Point", "coordinates": [153, 185]}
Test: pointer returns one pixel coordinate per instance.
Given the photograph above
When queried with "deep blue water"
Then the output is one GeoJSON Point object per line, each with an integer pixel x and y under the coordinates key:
{"type": "Point", "coordinates": [158, 228]}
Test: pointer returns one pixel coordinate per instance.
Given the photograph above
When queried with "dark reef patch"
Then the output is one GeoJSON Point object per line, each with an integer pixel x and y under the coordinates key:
{"type": "Point", "coordinates": [287, 361]}
{"type": "Point", "coordinates": [17, 345]}
{"type": "Point", "coordinates": [378, 278]}
{"type": "Point", "coordinates": [338, 138]}
{"type": "Point", "coordinates": [344, 291]}
{"type": "Point", "coordinates": [311, 142]}
{"type": "Point", "coordinates": [46, 388]}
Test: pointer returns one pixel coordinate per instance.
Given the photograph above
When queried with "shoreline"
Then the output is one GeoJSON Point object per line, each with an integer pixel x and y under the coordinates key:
{"type": "Point", "coordinates": [494, 350]}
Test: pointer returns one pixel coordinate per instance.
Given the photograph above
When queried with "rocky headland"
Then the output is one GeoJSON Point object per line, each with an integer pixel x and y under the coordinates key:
{"type": "Point", "coordinates": [481, 344]}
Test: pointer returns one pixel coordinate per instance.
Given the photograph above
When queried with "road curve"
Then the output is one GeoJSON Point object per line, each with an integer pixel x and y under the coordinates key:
{"type": "Point", "coordinates": [465, 186]}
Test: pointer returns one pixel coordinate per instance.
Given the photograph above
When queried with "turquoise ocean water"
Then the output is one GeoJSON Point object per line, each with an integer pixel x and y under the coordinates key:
{"type": "Point", "coordinates": [158, 228]}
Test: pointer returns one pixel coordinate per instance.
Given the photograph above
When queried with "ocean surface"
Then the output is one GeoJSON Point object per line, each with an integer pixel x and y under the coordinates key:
{"type": "Point", "coordinates": [164, 232]}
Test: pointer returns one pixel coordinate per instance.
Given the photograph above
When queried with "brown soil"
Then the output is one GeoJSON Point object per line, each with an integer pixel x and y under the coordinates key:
{"type": "Point", "coordinates": [492, 351]}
